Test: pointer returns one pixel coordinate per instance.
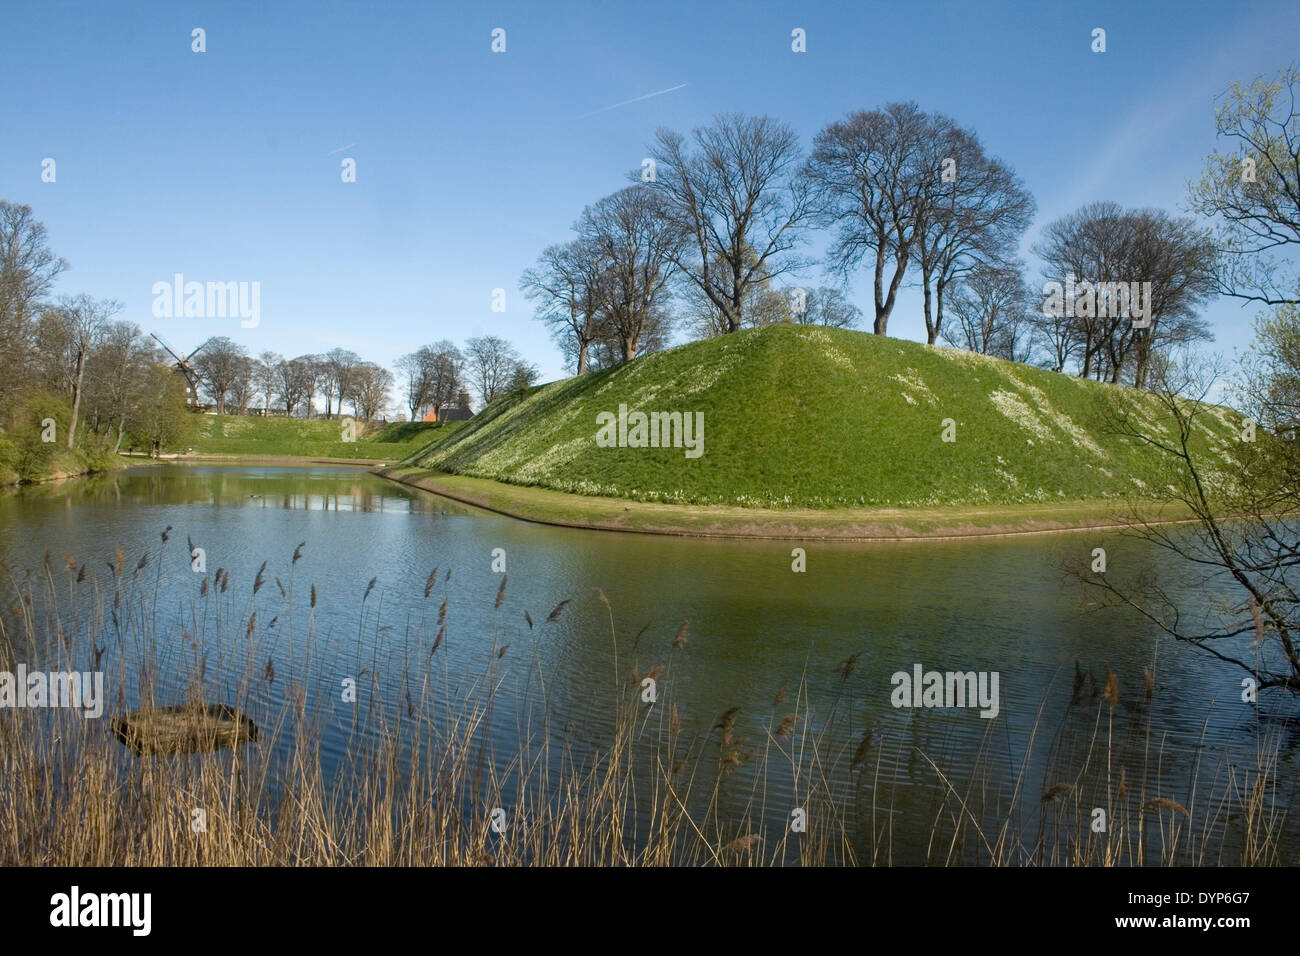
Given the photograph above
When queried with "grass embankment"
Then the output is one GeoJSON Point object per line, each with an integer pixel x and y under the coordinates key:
{"type": "Point", "coordinates": [252, 436]}
{"type": "Point", "coordinates": [20, 466]}
{"type": "Point", "coordinates": [821, 431]}
{"type": "Point", "coordinates": [864, 524]}
{"type": "Point", "coordinates": [33, 442]}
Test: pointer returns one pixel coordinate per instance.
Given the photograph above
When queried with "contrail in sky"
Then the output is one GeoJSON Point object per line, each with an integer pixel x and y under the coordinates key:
{"type": "Point", "coordinates": [635, 99]}
{"type": "Point", "coordinates": [340, 149]}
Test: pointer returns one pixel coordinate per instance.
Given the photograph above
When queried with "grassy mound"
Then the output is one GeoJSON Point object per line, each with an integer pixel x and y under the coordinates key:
{"type": "Point", "coordinates": [800, 416]}
{"type": "Point", "coordinates": [239, 435]}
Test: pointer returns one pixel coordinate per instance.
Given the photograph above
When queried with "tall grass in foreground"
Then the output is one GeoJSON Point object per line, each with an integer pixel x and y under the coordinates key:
{"type": "Point", "coordinates": [484, 768]}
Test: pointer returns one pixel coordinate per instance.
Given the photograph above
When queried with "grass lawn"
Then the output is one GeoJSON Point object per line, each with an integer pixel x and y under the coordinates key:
{"type": "Point", "coordinates": [239, 436]}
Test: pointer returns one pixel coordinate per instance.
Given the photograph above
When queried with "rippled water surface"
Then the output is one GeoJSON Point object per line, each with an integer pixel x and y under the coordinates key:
{"type": "Point", "coordinates": [999, 606]}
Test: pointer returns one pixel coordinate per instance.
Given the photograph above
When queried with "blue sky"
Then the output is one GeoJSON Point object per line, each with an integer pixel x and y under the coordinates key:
{"type": "Point", "coordinates": [225, 165]}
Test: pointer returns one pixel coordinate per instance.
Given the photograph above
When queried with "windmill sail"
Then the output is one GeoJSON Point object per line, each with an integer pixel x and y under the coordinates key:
{"type": "Point", "coordinates": [185, 367]}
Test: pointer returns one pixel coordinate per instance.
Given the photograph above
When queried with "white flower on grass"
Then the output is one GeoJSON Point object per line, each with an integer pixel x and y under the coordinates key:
{"type": "Point", "coordinates": [828, 348]}
{"type": "Point", "coordinates": [1056, 417]}
{"type": "Point", "coordinates": [912, 384]}
{"type": "Point", "coordinates": [1017, 410]}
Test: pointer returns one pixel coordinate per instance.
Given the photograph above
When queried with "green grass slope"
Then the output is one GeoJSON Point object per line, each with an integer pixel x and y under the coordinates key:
{"type": "Point", "coordinates": [801, 416]}
{"type": "Point", "coordinates": [239, 435]}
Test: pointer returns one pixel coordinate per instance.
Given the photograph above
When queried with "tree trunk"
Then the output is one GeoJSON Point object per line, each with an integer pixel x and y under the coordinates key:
{"type": "Point", "coordinates": [938, 309]}
{"type": "Point", "coordinates": [117, 446]}
{"type": "Point", "coordinates": [930, 331]}
{"type": "Point", "coordinates": [883, 309]}
{"type": "Point", "coordinates": [582, 357]}
{"type": "Point", "coordinates": [737, 314]}
{"type": "Point", "coordinates": [76, 398]}
{"type": "Point", "coordinates": [882, 314]}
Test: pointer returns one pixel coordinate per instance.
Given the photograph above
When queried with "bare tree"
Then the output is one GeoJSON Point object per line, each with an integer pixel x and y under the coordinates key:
{"type": "Point", "coordinates": [637, 243]}
{"type": "Point", "coordinates": [1179, 260]}
{"type": "Point", "coordinates": [294, 381]}
{"type": "Point", "coordinates": [266, 377]}
{"type": "Point", "coordinates": [973, 209]}
{"type": "Point", "coordinates": [115, 376]}
{"type": "Point", "coordinates": [86, 319]}
{"type": "Point", "coordinates": [826, 305]}
{"type": "Point", "coordinates": [415, 378]}
{"type": "Point", "coordinates": [51, 357]}
{"type": "Point", "coordinates": [490, 360]}
{"type": "Point", "coordinates": [27, 272]}
{"type": "Point", "coordinates": [1245, 530]}
{"type": "Point", "coordinates": [736, 195]}
{"type": "Point", "coordinates": [704, 319]}
{"type": "Point", "coordinates": [771, 306]}
{"type": "Point", "coordinates": [446, 368]}
{"type": "Point", "coordinates": [243, 388]}
{"type": "Point", "coordinates": [322, 382]}
{"type": "Point", "coordinates": [992, 306]}
{"type": "Point", "coordinates": [871, 172]}
{"type": "Point", "coordinates": [1102, 244]}
{"type": "Point", "coordinates": [338, 366]}
{"type": "Point", "coordinates": [432, 376]}
{"type": "Point", "coordinates": [370, 385]}
{"type": "Point", "coordinates": [1089, 244]}
{"type": "Point", "coordinates": [822, 305]}
{"type": "Point", "coordinates": [565, 284]}
{"type": "Point", "coordinates": [219, 366]}
{"type": "Point", "coordinates": [608, 349]}
{"type": "Point", "coordinates": [1055, 334]}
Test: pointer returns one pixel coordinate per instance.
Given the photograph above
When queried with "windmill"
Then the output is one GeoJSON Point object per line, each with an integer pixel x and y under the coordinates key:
{"type": "Point", "coordinates": [185, 368]}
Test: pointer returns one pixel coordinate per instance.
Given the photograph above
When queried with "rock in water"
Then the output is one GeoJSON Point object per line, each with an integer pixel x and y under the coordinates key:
{"type": "Point", "coordinates": [187, 728]}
